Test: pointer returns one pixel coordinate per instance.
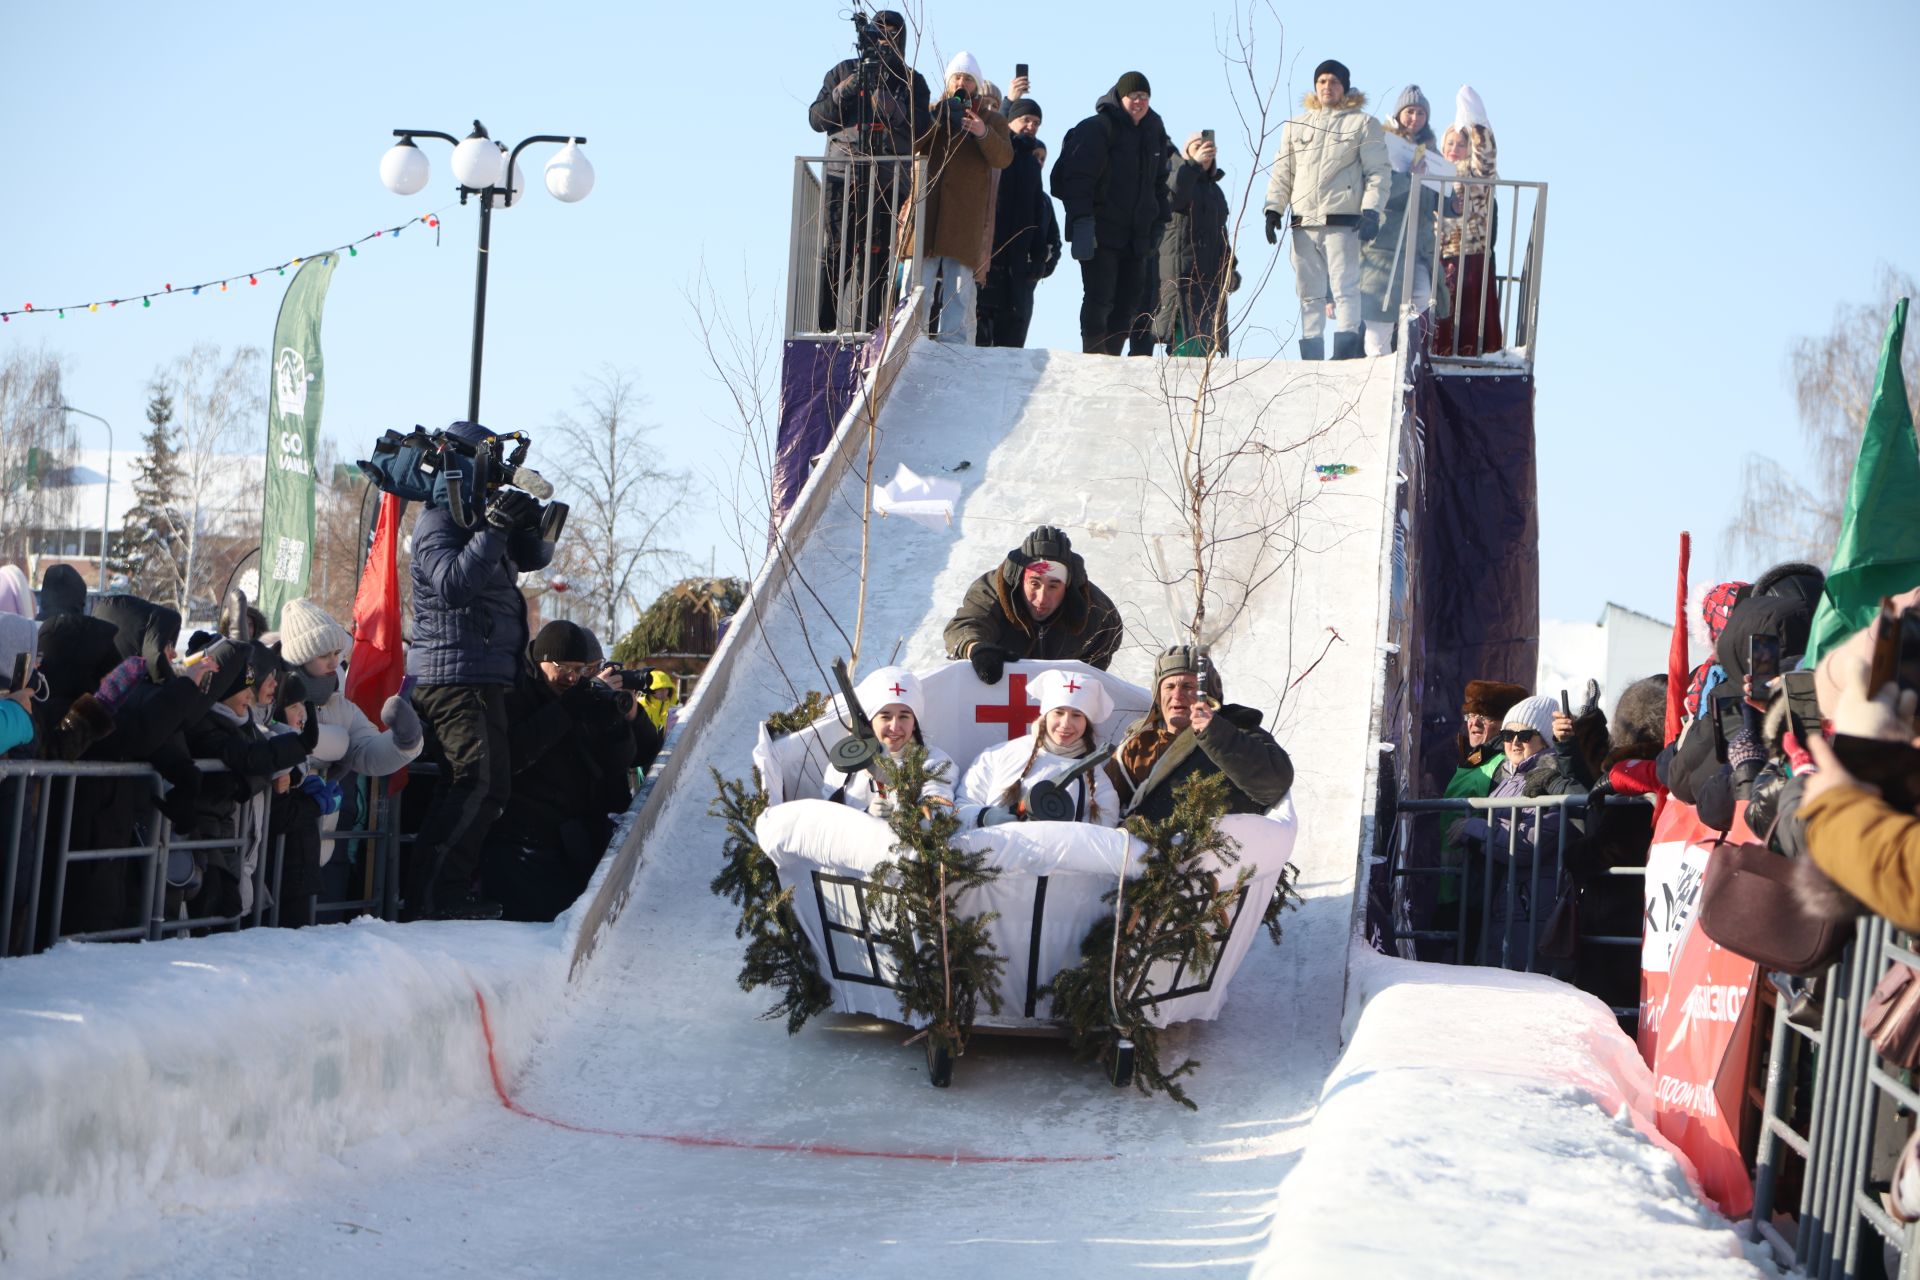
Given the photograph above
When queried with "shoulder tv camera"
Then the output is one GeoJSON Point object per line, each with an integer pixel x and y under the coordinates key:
{"type": "Point", "coordinates": [441, 469]}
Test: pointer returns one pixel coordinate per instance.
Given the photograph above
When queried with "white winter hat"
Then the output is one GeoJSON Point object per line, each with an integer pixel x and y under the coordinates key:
{"type": "Point", "coordinates": [890, 685]}
{"type": "Point", "coordinates": [307, 632]}
{"type": "Point", "coordinates": [965, 63]}
{"type": "Point", "coordinates": [1056, 688]}
{"type": "Point", "coordinates": [1535, 713]}
{"type": "Point", "coordinates": [1468, 109]}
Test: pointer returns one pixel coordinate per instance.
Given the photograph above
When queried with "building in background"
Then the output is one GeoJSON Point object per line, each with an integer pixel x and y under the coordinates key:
{"type": "Point", "coordinates": [1625, 645]}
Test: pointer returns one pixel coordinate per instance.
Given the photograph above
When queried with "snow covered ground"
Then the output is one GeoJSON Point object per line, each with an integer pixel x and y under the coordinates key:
{"type": "Point", "coordinates": [658, 1126]}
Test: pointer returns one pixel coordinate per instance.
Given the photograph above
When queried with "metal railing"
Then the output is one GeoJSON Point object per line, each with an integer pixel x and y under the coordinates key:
{"type": "Point", "coordinates": [37, 800]}
{"type": "Point", "coordinates": [1493, 869]}
{"type": "Point", "coordinates": [1843, 1112]}
{"type": "Point", "coordinates": [852, 215]}
{"type": "Point", "coordinates": [1488, 311]}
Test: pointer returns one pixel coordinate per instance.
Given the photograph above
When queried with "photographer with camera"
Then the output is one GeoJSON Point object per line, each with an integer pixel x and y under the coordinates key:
{"type": "Point", "coordinates": [872, 104]}
{"type": "Point", "coordinates": [967, 143]}
{"type": "Point", "coordinates": [576, 735]}
{"type": "Point", "coordinates": [469, 648]}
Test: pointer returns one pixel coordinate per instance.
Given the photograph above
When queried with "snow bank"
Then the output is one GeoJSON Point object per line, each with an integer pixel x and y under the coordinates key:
{"type": "Point", "coordinates": [1488, 1123]}
{"type": "Point", "coordinates": [127, 1072]}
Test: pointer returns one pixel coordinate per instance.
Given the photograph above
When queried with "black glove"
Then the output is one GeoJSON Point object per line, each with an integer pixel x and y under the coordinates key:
{"type": "Point", "coordinates": [310, 730]}
{"type": "Point", "coordinates": [511, 509]}
{"type": "Point", "coordinates": [988, 662]}
{"type": "Point", "coordinates": [1369, 225]}
{"type": "Point", "coordinates": [1273, 226]}
{"type": "Point", "coordinates": [1082, 235]}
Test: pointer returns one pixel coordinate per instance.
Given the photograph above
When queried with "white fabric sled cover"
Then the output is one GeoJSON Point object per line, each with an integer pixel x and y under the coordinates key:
{"type": "Point", "coordinates": [1048, 895]}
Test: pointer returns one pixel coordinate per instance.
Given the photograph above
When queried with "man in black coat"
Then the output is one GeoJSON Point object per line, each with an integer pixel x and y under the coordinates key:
{"type": "Point", "coordinates": [1111, 176]}
{"type": "Point", "coordinates": [1036, 604]}
{"type": "Point", "coordinates": [869, 106]}
{"type": "Point", "coordinates": [1190, 730]}
{"type": "Point", "coordinates": [1026, 237]}
{"type": "Point", "coordinates": [575, 742]}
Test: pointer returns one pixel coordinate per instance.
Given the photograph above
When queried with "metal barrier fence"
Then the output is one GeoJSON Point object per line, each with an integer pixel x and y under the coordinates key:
{"type": "Point", "coordinates": [36, 853]}
{"type": "Point", "coordinates": [1506, 870]}
{"type": "Point", "coordinates": [851, 217]}
{"type": "Point", "coordinates": [1844, 1113]}
{"type": "Point", "coordinates": [1486, 300]}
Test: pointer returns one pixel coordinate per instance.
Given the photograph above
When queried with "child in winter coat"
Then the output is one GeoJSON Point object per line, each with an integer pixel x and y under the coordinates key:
{"type": "Point", "coordinates": [1072, 706]}
{"type": "Point", "coordinates": [894, 703]}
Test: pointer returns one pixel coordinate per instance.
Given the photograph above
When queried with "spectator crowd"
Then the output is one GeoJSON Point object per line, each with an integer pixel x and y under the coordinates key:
{"type": "Point", "coordinates": [1149, 223]}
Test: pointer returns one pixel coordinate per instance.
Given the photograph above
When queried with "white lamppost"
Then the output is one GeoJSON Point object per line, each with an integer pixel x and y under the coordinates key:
{"type": "Point", "coordinates": [487, 169]}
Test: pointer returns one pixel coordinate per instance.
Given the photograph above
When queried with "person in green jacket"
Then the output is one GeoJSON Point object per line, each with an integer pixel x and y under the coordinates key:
{"type": "Point", "coordinates": [1481, 761]}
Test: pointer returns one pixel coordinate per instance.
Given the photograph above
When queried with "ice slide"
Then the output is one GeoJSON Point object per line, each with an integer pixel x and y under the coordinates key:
{"type": "Point", "coordinates": [657, 1125]}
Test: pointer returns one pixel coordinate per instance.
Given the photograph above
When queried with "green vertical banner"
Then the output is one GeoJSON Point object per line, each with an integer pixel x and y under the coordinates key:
{"type": "Point", "coordinates": [293, 431]}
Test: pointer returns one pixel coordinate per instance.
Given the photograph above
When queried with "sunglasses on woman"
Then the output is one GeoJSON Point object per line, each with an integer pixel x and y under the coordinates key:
{"type": "Point", "coordinates": [1517, 735]}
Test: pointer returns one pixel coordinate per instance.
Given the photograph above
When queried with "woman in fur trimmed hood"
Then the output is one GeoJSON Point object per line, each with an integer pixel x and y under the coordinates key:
{"type": "Point", "coordinates": [1038, 604]}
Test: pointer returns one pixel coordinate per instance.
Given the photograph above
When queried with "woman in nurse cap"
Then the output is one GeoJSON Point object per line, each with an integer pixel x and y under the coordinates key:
{"type": "Point", "coordinates": [893, 701]}
{"type": "Point", "coordinates": [1072, 707]}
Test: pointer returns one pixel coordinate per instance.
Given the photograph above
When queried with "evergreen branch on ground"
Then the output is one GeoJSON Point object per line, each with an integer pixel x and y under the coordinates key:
{"type": "Point", "coordinates": [943, 960]}
{"type": "Point", "coordinates": [778, 954]}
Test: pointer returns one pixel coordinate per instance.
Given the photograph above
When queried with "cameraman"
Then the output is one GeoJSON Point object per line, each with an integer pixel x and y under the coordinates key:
{"type": "Point", "coordinates": [576, 735]}
{"type": "Point", "coordinates": [870, 105]}
{"type": "Point", "coordinates": [469, 647]}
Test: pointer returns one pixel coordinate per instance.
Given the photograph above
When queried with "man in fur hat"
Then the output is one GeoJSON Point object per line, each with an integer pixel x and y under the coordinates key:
{"type": "Point", "coordinates": [1192, 730]}
{"type": "Point", "coordinates": [1483, 712]}
{"type": "Point", "coordinates": [1037, 604]}
{"type": "Point", "coordinates": [1332, 172]}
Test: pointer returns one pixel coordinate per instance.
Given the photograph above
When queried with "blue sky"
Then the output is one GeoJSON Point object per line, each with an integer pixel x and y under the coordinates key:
{"type": "Point", "coordinates": [1722, 177]}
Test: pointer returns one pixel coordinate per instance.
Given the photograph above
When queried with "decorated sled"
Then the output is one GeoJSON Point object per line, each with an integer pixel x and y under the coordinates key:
{"type": "Point", "coordinates": [1052, 876]}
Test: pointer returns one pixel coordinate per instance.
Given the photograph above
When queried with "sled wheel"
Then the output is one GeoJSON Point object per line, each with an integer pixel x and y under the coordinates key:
{"type": "Point", "coordinates": [1121, 1070]}
{"type": "Point", "coordinates": [939, 1065]}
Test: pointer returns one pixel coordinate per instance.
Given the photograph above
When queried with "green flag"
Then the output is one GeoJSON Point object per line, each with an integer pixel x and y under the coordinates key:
{"type": "Point", "coordinates": [1878, 552]}
{"type": "Point", "coordinates": [293, 428]}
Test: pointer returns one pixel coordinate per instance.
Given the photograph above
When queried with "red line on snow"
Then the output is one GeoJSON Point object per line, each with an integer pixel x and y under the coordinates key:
{"type": "Point", "coordinates": [744, 1144]}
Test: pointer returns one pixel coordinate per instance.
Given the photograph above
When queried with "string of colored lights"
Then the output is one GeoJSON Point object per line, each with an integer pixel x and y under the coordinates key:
{"type": "Point", "coordinates": [351, 248]}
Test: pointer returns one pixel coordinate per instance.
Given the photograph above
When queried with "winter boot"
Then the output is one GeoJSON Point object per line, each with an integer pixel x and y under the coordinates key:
{"type": "Point", "coordinates": [1313, 349]}
{"type": "Point", "coordinates": [1348, 345]}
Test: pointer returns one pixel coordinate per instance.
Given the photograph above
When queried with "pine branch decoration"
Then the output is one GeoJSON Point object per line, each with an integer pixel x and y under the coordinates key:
{"type": "Point", "coordinates": [943, 960]}
{"type": "Point", "coordinates": [778, 954]}
{"type": "Point", "coordinates": [1177, 909]}
{"type": "Point", "coordinates": [813, 707]}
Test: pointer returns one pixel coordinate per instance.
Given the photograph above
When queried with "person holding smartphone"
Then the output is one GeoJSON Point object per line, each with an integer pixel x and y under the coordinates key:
{"type": "Point", "coordinates": [1196, 255]}
{"type": "Point", "coordinates": [967, 143]}
{"type": "Point", "coordinates": [1026, 237]}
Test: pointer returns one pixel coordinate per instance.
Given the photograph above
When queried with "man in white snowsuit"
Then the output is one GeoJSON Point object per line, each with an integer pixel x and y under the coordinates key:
{"type": "Point", "coordinates": [1332, 171]}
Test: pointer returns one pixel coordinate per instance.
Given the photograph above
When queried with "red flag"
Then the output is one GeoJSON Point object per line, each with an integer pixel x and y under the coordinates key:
{"type": "Point", "coordinates": [1679, 669]}
{"type": "Point", "coordinates": [378, 660]}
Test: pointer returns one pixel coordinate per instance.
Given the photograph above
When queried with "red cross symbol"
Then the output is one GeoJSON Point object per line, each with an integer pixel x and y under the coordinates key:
{"type": "Point", "coordinates": [1072, 685]}
{"type": "Point", "coordinates": [1016, 715]}
{"type": "Point", "coordinates": [896, 690]}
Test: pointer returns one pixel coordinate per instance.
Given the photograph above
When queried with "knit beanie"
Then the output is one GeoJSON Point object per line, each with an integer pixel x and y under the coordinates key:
{"type": "Point", "coordinates": [1131, 83]}
{"type": "Point", "coordinates": [563, 641]}
{"type": "Point", "coordinates": [1536, 713]}
{"type": "Point", "coordinates": [1337, 69]}
{"type": "Point", "coordinates": [307, 632]}
{"type": "Point", "coordinates": [965, 63]}
{"type": "Point", "coordinates": [1409, 97]}
{"type": "Point", "coordinates": [1022, 107]}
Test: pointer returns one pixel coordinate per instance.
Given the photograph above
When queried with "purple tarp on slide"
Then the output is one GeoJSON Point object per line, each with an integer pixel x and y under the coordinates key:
{"type": "Point", "coordinates": [818, 381]}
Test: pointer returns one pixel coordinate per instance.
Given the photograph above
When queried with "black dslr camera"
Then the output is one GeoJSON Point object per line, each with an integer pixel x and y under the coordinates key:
{"type": "Point", "coordinates": [441, 469]}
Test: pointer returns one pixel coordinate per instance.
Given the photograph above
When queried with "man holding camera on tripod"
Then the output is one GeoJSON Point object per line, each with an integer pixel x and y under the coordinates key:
{"type": "Point", "coordinates": [469, 647]}
{"type": "Point", "coordinates": [872, 104]}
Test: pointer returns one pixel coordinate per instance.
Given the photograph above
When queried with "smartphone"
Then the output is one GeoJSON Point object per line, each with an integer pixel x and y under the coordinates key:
{"type": "Point", "coordinates": [1906, 667]}
{"type": "Point", "coordinates": [1566, 705]}
{"type": "Point", "coordinates": [1206, 135]}
{"type": "Point", "coordinates": [1886, 647]}
{"type": "Point", "coordinates": [20, 661]}
{"type": "Point", "coordinates": [406, 686]}
{"type": "Point", "coordinates": [1730, 717]}
{"type": "Point", "coordinates": [1019, 71]}
{"type": "Point", "coordinates": [1763, 660]}
{"type": "Point", "coordinates": [1803, 705]}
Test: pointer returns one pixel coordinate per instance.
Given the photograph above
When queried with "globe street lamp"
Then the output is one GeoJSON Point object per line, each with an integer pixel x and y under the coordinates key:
{"type": "Point", "coordinates": [106, 502]}
{"type": "Point", "coordinates": [485, 168]}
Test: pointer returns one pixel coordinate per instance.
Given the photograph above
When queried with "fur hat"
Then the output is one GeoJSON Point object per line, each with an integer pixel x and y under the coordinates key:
{"type": "Point", "coordinates": [1490, 698]}
{"type": "Point", "coordinates": [1022, 107]}
{"type": "Point", "coordinates": [563, 641]}
{"type": "Point", "coordinates": [1085, 694]}
{"type": "Point", "coordinates": [1188, 659]}
{"type": "Point", "coordinates": [1335, 68]}
{"type": "Point", "coordinates": [890, 685]}
{"type": "Point", "coordinates": [1536, 713]}
{"type": "Point", "coordinates": [1642, 713]}
{"type": "Point", "coordinates": [1130, 83]}
{"type": "Point", "coordinates": [307, 632]}
{"type": "Point", "coordinates": [965, 63]}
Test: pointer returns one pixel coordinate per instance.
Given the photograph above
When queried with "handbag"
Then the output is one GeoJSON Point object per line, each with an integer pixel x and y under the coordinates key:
{"type": "Point", "coordinates": [1891, 1017]}
{"type": "Point", "coordinates": [1560, 938]}
{"type": "Point", "coordinates": [1754, 902]}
